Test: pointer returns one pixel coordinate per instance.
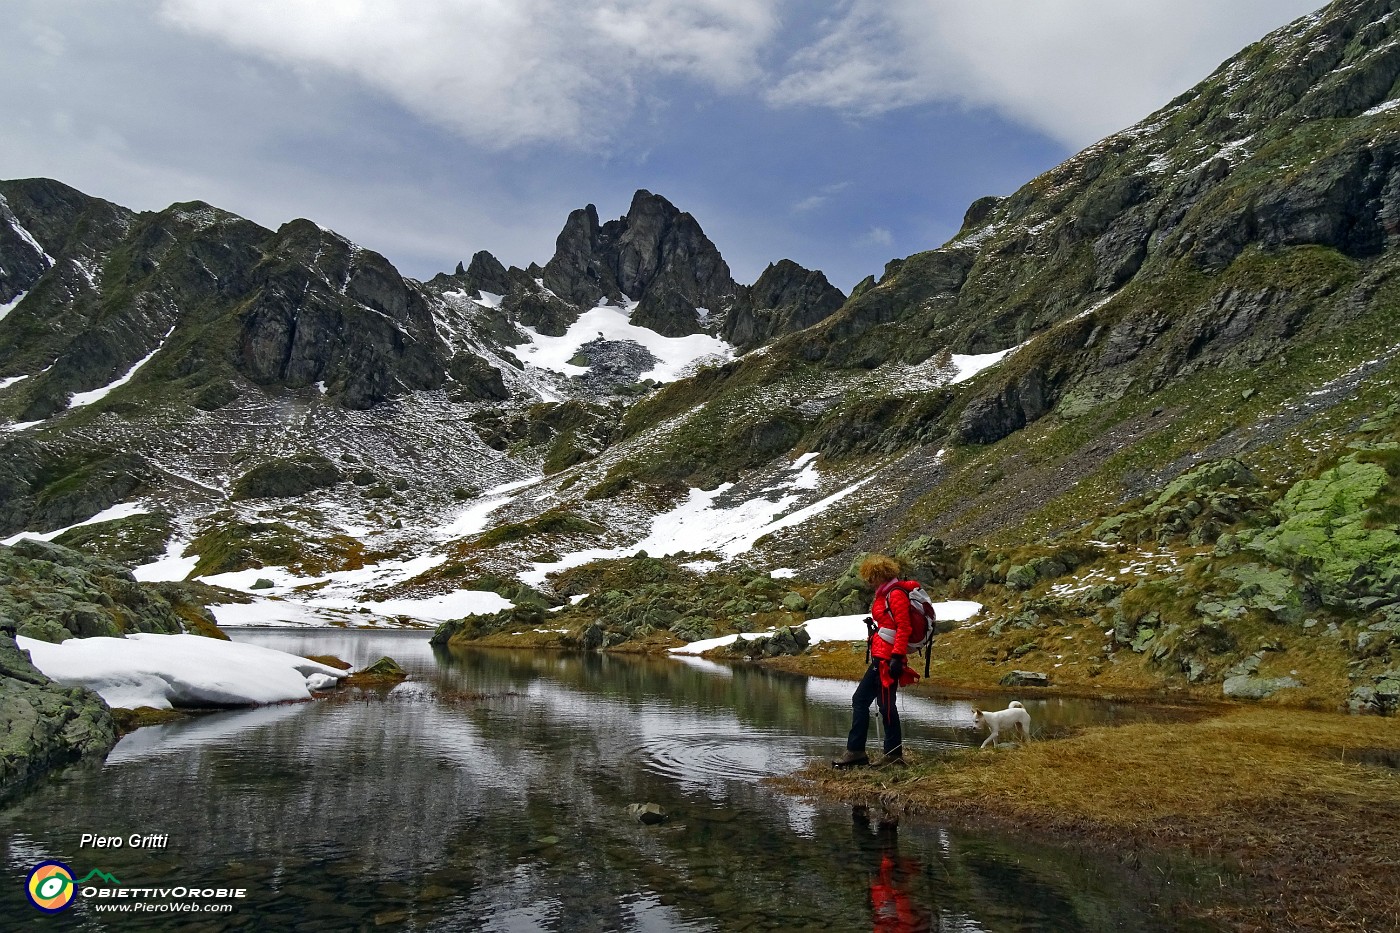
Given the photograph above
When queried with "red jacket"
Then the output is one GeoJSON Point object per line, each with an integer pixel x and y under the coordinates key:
{"type": "Point", "coordinates": [893, 621]}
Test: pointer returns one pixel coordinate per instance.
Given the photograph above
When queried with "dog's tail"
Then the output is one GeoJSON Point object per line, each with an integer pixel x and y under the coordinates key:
{"type": "Point", "coordinates": [1015, 704]}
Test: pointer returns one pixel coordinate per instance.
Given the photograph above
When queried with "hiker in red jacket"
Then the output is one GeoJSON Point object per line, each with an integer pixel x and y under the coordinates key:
{"type": "Point", "coordinates": [889, 647]}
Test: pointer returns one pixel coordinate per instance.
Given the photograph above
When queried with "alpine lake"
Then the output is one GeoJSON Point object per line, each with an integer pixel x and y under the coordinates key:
{"type": "Point", "coordinates": [490, 792]}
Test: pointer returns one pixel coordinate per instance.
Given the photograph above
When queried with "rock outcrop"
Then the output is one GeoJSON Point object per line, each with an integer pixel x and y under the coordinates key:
{"type": "Point", "coordinates": [785, 299]}
{"type": "Point", "coordinates": [52, 593]}
{"type": "Point", "coordinates": [323, 311]}
{"type": "Point", "coordinates": [43, 725]}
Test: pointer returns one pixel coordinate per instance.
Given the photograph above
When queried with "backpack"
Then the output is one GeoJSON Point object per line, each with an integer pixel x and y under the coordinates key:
{"type": "Point", "coordinates": [922, 619]}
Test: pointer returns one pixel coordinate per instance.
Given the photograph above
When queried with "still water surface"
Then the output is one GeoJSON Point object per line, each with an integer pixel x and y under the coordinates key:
{"type": "Point", "coordinates": [490, 791]}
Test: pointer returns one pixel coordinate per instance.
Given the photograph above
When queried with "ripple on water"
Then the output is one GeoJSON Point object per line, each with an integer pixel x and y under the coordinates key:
{"type": "Point", "coordinates": [710, 757]}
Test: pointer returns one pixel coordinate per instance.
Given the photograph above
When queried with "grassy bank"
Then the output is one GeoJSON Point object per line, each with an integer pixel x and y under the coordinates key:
{"type": "Point", "coordinates": [970, 661]}
{"type": "Point", "coordinates": [1301, 809]}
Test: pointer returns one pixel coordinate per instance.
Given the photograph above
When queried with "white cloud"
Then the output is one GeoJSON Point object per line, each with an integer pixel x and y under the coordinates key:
{"type": "Point", "coordinates": [502, 72]}
{"type": "Point", "coordinates": [878, 236]}
{"type": "Point", "coordinates": [1074, 69]}
{"type": "Point", "coordinates": [825, 194]}
{"type": "Point", "coordinates": [46, 39]}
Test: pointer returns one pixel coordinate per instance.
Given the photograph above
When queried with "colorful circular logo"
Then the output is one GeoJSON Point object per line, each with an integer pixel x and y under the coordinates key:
{"type": "Point", "coordinates": [50, 887]}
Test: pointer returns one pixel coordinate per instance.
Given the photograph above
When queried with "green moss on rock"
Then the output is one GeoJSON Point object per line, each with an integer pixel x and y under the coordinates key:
{"type": "Point", "coordinates": [1325, 534]}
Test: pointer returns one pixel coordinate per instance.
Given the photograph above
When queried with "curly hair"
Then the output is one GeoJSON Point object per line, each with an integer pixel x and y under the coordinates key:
{"type": "Point", "coordinates": [877, 568]}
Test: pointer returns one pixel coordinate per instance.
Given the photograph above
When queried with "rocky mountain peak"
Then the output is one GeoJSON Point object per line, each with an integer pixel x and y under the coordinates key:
{"type": "Point", "coordinates": [580, 271]}
{"type": "Point", "coordinates": [655, 255]}
{"type": "Point", "coordinates": [486, 273]}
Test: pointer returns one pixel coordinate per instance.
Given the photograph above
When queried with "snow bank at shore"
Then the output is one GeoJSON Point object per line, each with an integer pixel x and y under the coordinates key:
{"type": "Point", "coordinates": [836, 628]}
{"type": "Point", "coordinates": [164, 671]}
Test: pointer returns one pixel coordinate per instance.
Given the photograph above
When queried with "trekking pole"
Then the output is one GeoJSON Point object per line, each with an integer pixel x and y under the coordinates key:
{"type": "Point", "coordinates": [880, 718]}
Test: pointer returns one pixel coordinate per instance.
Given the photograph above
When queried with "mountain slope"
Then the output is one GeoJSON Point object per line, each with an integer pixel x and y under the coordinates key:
{"type": "Point", "coordinates": [1245, 221]}
{"type": "Point", "coordinates": [1170, 347]}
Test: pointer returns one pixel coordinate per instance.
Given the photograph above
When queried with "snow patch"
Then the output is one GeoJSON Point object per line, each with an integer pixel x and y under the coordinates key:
{"type": "Point", "coordinates": [978, 236]}
{"type": "Point", "coordinates": [121, 510]}
{"type": "Point", "coordinates": [284, 581]}
{"type": "Point", "coordinates": [1374, 111]}
{"type": "Point", "coordinates": [835, 628]}
{"type": "Point", "coordinates": [10, 380]}
{"type": "Point", "coordinates": [170, 567]}
{"type": "Point", "coordinates": [1094, 307]}
{"type": "Point", "coordinates": [970, 365]}
{"type": "Point", "coordinates": [441, 607]}
{"type": "Point", "coordinates": [473, 519]}
{"type": "Point", "coordinates": [697, 524]}
{"type": "Point", "coordinates": [1229, 150]}
{"type": "Point", "coordinates": [163, 671]}
{"type": "Point", "coordinates": [675, 355]}
{"type": "Point", "coordinates": [9, 306]}
{"type": "Point", "coordinates": [28, 237]}
{"type": "Point", "coordinates": [86, 271]}
{"type": "Point", "coordinates": [807, 476]}
{"type": "Point", "coordinates": [80, 399]}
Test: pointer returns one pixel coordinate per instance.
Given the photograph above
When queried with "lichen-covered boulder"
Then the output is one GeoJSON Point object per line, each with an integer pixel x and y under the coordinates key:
{"type": "Point", "coordinates": [1250, 687]}
{"type": "Point", "coordinates": [43, 725]}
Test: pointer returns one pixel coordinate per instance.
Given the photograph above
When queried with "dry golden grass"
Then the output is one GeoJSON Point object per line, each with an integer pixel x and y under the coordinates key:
{"type": "Point", "coordinates": [330, 660]}
{"type": "Point", "coordinates": [969, 661]}
{"type": "Point", "coordinates": [1294, 800]}
{"type": "Point", "coordinates": [531, 639]}
{"type": "Point", "coordinates": [1166, 770]}
{"type": "Point", "coordinates": [129, 720]}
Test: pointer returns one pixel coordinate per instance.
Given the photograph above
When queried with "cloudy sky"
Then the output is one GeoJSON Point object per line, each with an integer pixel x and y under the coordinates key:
{"type": "Point", "coordinates": [838, 133]}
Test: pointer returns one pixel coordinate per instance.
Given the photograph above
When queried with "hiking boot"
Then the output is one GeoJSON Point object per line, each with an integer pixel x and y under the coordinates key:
{"type": "Point", "coordinates": [891, 760]}
{"type": "Point", "coordinates": [850, 759]}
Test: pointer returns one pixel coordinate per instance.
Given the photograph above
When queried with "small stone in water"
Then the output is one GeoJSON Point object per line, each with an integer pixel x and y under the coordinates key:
{"type": "Point", "coordinates": [649, 813]}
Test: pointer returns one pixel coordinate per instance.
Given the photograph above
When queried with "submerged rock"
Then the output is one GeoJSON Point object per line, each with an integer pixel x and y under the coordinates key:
{"type": "Point", "coordinates": [385, 672]}
{"type": "Point", "coordinates": [648, 813]}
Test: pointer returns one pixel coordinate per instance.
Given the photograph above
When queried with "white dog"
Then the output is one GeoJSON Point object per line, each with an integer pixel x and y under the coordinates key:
{"type": "Point", "coordinates": [1013, 718]}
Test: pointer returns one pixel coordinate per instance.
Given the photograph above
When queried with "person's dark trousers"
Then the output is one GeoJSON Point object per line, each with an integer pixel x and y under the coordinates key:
{"type": "Point", "coordinates": [869, 689]}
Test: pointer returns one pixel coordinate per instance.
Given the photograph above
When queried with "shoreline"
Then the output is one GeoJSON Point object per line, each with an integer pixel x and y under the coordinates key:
{"type": "Point", "coordinates": [1304, 834]}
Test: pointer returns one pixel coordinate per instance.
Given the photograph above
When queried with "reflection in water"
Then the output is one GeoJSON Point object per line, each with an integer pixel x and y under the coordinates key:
{"type": "Point", "coordinates": [489, 793]}
{"type": "Point", "coordinates": [893, 905]}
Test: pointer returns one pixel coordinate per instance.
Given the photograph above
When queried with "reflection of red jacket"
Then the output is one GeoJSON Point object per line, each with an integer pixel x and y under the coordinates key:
{"type": "Point", "coordinates": [895, 618]}
{"type": "Point", "coordinates": [891, 909]}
